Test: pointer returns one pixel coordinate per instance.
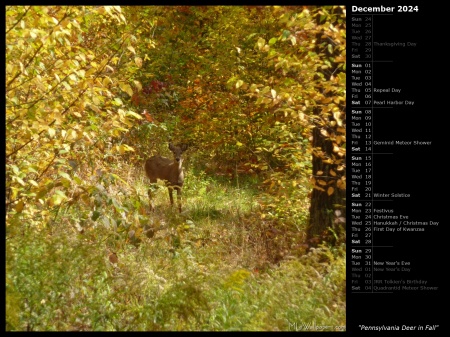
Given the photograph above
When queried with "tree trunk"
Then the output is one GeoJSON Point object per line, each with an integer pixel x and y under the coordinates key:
{"type": "Point", "coordinates": [327, 210]}
{"type": "Point", "coordinates": [323, 207]}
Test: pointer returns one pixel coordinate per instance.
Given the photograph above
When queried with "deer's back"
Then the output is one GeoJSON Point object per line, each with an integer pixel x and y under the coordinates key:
{"type": "Point", "coordinates": [158, 167]}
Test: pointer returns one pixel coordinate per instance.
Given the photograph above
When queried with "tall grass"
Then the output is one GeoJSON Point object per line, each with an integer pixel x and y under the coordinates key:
{"type": "Point", "coordinates": [208, 268]}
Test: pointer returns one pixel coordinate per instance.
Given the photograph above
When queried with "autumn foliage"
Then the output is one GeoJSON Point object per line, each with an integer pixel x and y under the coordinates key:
{"type": "Point", "coordinates": [258, 93]}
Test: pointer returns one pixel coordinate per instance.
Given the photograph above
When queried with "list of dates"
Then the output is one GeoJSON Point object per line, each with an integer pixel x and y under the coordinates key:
{"type": "Point", "coordinates": [391, 222]}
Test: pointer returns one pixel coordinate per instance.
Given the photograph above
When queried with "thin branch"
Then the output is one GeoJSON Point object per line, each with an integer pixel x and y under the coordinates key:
{"type": "Point", "coordinates": [35, 54]}
{"type": "Point", "coordinates": [20, 19]}
{"type": "Point", "coordinates": [67, 109]}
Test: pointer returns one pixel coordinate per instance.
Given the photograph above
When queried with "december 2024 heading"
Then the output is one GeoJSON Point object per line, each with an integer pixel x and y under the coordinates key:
{"type": "Point", "coordinates": [383, 9]}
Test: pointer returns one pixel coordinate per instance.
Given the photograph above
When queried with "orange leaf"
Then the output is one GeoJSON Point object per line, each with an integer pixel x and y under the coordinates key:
{"type": "Point", "coordinates": [330, 190]}
{"type": "Point", "coordinates": [113, 258]}
{"type": "Point", "coordinates": [147, 116]}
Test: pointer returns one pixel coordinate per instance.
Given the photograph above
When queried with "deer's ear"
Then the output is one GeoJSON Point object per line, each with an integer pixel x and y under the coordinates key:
{"type": "Point", "coordinates": [184, 147]}
{"type": "Point", "coordinates": [171, 147]}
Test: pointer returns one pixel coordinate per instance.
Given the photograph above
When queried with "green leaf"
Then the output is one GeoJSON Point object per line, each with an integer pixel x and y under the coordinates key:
{"type": "Point", "coordinates": [65, 175]}
{"type": "Point", "coordinates": [57, 198]}
{"type": "Point", "coordinates": [15, 169]}
{"type": "Point", "coordinates": [118, 101]}
{"type": "Point", "coordinates": [261, 42]}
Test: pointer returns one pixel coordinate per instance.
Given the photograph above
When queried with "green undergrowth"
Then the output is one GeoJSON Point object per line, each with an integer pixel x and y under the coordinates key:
{"type": "Point", "coordinates": [212, 267]}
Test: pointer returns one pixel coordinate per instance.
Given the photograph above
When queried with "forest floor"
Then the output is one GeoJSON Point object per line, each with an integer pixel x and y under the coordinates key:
{"type": "Point", "coordinates": [216, 266]}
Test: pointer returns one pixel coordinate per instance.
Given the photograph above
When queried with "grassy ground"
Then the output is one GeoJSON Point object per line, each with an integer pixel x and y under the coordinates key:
{"type": "Point", "coordinates": [212, 267]}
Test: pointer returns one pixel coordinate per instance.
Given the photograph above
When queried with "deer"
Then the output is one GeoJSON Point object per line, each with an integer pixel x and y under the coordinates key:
{"type": "Point", "coordinates": [171, 171]}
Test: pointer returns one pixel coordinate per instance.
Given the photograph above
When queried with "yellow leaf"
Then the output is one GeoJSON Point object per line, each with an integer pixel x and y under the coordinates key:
{"type": "Point", "coordinates": [319, 188]}
{"type": "Point", "coordinates": [33, 33]}
{"type": "Point", "coordinates": [126, 88]}
{"type": "Point", "coordinates": [129, 90]}
{"type": "Point", "coordinates": [56, 200]}
{"type": "Point", "coordinates": [132, 113]}
{"type": "Point", "coordinates": [332, 173]}
{"type": "Point", "coordinates": [138, 85]}
{"type": "Point", "coordinates": [274, 93]}
{"type": "Point", "coordinates": [293, 40]}
{"type": "Point", "coordinates": [138, 61]}
{"type": "Point", "coordinates": [73, 134]}
{"type": "Point", "coordinates": [239, 144]}
{"type": "Point", "coordinates": [120, 149]}
{"type": "Point", "coordinates": [337, 117]}
{"type": "Point", "coordinates": [51, 132]}
{"type": "Point", "coordinates": [73, 77]}
{"type": "Point", "coordinates": [341, 184]}
{"type": "Point", "coordinates": [103, 63]}
{"type": "Point", "coordinates": [94, 107]}
{"type": "Point", "coordinates": [67, 86]}
{"type": "Point", "coordinates": [239, 83]}
{"type": "Point", "coordinates": [105, 83]}
{"type": "Point", "coordinates": [324, 133]}
{"type": "Point", "coordinates": [20, 181]}
{"type": "Point", "coordinates": [15, 169]}
{"type": "Point", "coordinates": [130, 48]}
{"type": "Point", "coordinates": [33, 182]}
{"type": "Point", "coordinates": [129, 148]}
{"type": "Point", "coordinates": [64, 175]}
{"type": "Point", "coordinates": [41, 193]}
{"type": "Point", "coordinates": [330, 190]}
{"type": "Point", "coordinates": [266, 100]}
{"type": "Point", "coordinates": [261, 42]}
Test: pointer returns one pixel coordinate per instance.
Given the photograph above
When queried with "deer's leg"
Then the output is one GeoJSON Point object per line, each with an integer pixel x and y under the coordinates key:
{"type": "Point", "coordinates": [171, 195]}
{"type": "Point", "coordinates": [179, 198]}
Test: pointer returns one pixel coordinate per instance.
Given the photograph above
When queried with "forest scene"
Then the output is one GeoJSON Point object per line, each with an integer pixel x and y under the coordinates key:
{"type": "Point", "coordinates": [238, 111]}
